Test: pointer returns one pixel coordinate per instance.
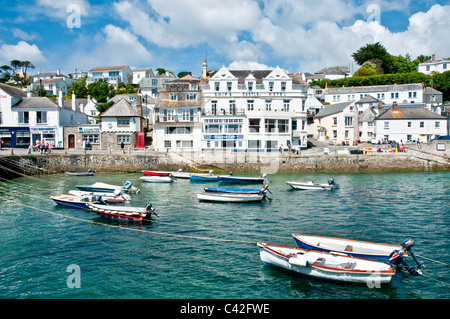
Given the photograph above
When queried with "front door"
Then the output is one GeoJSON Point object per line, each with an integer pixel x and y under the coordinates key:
{"type": "Point", "coordinates": [71, 141]}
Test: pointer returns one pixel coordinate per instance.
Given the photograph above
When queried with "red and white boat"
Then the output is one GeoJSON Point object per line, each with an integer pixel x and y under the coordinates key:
{"type": "Point", "coordinates": [124, 213]}
{"type": "Point", "coordinates": [156, 173]}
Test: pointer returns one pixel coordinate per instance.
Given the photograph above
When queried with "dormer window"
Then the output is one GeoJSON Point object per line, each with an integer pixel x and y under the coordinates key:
{"type": "Point", "coordinates": [250, 86]}
{"type": "Point", "coordinates": [270, 86]}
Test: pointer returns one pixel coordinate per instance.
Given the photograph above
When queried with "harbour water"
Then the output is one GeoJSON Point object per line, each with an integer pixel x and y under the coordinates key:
{"type": "Point", "coordinates": [202, 250]}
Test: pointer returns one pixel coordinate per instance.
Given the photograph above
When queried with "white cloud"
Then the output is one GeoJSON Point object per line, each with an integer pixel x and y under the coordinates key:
{"type": "Point", "coordinates": [21, 51]}
{"type": "Point", "coordinates": [248, 65]}
{"type": "Point", "coordinates": [58, 8]}
{"type": "Point", "coordinates": [18, 33]}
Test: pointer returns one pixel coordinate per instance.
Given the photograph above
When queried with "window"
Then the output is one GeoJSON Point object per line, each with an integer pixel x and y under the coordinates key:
{"type": "Point", "coordinates": [214, 107]}
{"type": "Point", "coordinates": [349, 121]}
{"type": "Point", "coordinates": [232, 107]}
{"type": "Point", "coordinates": [444, 66]}
{"type": "Point", "coordinates": [286, 105]}
{"type": "Point", "coordinates": [178, 130]}
{"type": "Point", "coordinates": [271, 144]}
{"type": "Point", "coordinates": [283, 86]}
{"type": "Point", "coordinates": [254, 144]}
{"type": "Point", "coordinates": [346, 134]}
{"type": "Point", "coordinates": [216, 86]}
{"type": "Point", "coordinates": [114, 73]}
{"type": "Point", "coordinates": [97, 74]}
{"type": "Point", "coordinates": [250, 86]}
{"type": "Point", "coordinates": [41, 117]}
{"type": "Point", "coordinates": [186, 115]}
{"type": "Point", "coordinates": [92, 138]}
{"type": "Point", "coordinates": [268, 105]}
{"type": "Point", "coordinates": [334, 121]}
{"type": "Point", "coordinates": [167, 144]}
{"type": "Point", "coordinates": [409, 124]}
{"type": "Point", "coordinates": [250, 105]}
{"type": "Point", "coordinates": [437, 124]}
{"type": "Point", "coordinates": [123, 138]}
{"type": "Point", "coordinates": [270, 86]}
{"type": "Point", "coordinates": [422, 124]}
{"type": "Point", "coordinates": [173, 96]}
{"type": "Point", "coordinates": [184, 144]}
{"type": "Point", "coordinates": [386, 125]}
{"type": "Point", "coordinates": [270, 126]}
{"type": "Point", "coordinates": [334, 134]}
{"type": "Point", "coordinates": [370, 123]}
{"type": "Point", "coordinates": [253, 125]}
{"type": "Point", "coordinates": [191, 96]}
{"type": "Point", "coordinates": [229, 86]}
{"type": "Point", "coordinates": [283, 126]}
{"type": "Point", "coordinates": [123, 122]}
{"type": "Point", "coordinates": [24, 117]}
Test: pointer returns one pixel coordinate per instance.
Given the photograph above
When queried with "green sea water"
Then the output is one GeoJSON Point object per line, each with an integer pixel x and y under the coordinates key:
{"type": "Point", "coordinates": [202, 250]}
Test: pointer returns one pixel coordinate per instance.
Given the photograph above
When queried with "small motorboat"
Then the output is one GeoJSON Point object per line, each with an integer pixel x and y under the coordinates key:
{"type": "Point", "coordinates": [313, 186]}
{"type": "Point", "coordinates": [108, 188]}
{"type": "Point", "coordinates": [235, 195]}
{"type": "Point", "coordinates": [325, 265]}
{"type": "Point", "coordinates": [88, 173]}
{"type": "Point", "coordinates": [123, 213]}
{"type": "Point", "coordinates": [156, 173]}
{"type": "Point", "coordinates": [210, 177]}
{"type": "Point", "coordinates": [157, 179]}
{"type": "Point", "coordinates": [242, 179]}
{"type": "Point", "coordinates": [181, 174]}
{"type": "Point", "coordinates": [107, 197]}
{"type": "Point", "coordinates": [76, 201]}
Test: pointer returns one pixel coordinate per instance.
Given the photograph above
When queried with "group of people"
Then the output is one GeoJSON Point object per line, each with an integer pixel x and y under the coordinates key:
{"type": "Point", "coordinates": [42, 147]}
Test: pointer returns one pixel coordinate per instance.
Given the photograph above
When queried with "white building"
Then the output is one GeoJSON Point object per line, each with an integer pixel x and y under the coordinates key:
{"type": "Point", "coordinates": [87, 106]}
{"type": "Point", "coordinates": [337, 124]}
{"type": "Point", "coordinates": [177, 124]}
{"type": "Point", "coordinates": [25, 119]}
{"type": "Point", "coordinates": [51, 85]}
{"type": "Point", "coordinates": [143, 73]}
{"type": "Point", "coordinates": [253, 110]}
{"type": "Point", "coordinates": [434, 66]}
{"type": "Point", "coordinates": [409, 123]}
{"type": "Point", "coordinates": [114, 75]}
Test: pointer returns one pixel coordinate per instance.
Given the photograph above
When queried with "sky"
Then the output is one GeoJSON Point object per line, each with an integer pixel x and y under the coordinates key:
{"type": "Point", "coordinates": [178, 35]}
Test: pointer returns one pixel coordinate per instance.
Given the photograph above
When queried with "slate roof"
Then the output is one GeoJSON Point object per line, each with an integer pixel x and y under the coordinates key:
{"type": "Point", "coordinates": [241, 75]}
{"type": "Point", "coordinates": [13, 91]}
{"type": "Point", "coordinates": [409, 113]}
{"type": "Point", "coordinates": [120, 109]}
{"type": "Point", "coordinates": [375, 88]}
{"type": "Point", "coordinates": [110, 68]}
{"type": "Point", "coordinates": [332, 109]}
{"type": "Point", "coordinates": [368, 115]}
{"type": "Point", "coordinates": [36, 102]}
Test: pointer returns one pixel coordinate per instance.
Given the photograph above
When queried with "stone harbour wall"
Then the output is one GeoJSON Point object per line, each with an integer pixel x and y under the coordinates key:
{"type": "Point", "coordinates": [12, 166]}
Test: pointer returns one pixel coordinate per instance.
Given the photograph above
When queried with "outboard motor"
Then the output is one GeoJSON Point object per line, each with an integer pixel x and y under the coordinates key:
{"type": "Point", "coordinates": [396, 259]}
{"type": "Point", "coordinates": [127, 185]}
{"type": "Point", "coordinates": [331, 182]}
{"type": "Point", "coordinates": [149, 209]}
{"type": "Point", "coordinates": [407, 245]}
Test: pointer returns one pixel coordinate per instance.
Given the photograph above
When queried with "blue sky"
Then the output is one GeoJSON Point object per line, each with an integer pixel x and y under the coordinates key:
{"type": "Point", "coordinates": [297, 35]}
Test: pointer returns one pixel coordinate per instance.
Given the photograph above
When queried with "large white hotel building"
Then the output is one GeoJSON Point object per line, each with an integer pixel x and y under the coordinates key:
{"type": "Point", "coordinates": [241, 110]}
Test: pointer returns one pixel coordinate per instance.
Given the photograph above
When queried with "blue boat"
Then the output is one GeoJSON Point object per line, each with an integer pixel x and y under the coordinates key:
{"type": "Point", "coordinates": [81, 202]}
{"type": "Point", "coordinates": [242, 179]}
{"type": "Point", "coordinates": [203, 178]}
{"type": "Point", "coordinates": [232, 190]}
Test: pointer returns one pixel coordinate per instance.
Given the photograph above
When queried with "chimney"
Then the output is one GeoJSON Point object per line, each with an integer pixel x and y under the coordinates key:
{"type": "Point", "coordinates": [58, 72]}
{"type": "Point", "coordinates": [139, 110]}
{"type": "Point", "coordinates": [395, 106]}
{"type": "Point", "coordinates": [74, 101]}
{"type": "Point", "coordinates": [60, 98]}
{"type": "Point", "coordinates": [204, 69]}
{"type": "Point", "coordinates": [433, 57]}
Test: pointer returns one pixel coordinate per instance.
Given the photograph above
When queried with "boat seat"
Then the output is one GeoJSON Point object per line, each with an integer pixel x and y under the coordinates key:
{"type": "Point", "coordinates": [319, 261]}
{"type": "Point", "coordinates": [349, 265]}
{"type": "Point", "coordinates": [348, 248]}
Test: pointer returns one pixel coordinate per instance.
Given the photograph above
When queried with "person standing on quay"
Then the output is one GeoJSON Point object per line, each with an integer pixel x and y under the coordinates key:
{"type": "Point", "coordinates": [121, 147]}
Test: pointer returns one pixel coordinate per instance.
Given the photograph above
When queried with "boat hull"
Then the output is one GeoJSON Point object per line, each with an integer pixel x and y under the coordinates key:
{"type": "Point", "coordinates": [74, 201]}
{"type": "Point", "coordinates": [122, 213]}
{"type": "Point", "coordinates": [203, 178]}
{"type": "Point", "coordinates": [107, 197]}
{"type": "Point", "coordinates": [310, 186]}
{"type": "Point", "coordinates": [237, 179]}
{"type": "Point", "coordinates": [360, 249]}
{"type": "Point", "coordinates": [157, 179]}
{"type": "Point", "coordinates": [156, 173]}
{"type": "Point", "coordinates": [89, 173]}
{"type": "Point", "coordinates": [229, 197]}
{"type": "Point", "coordinates": [326, 266]}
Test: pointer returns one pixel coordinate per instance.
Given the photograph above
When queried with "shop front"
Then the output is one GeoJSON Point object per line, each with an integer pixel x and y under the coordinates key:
{"type": "Point", "coordinates": [15, 137]}
{"type": "Point", "coordinates": [47, 134]}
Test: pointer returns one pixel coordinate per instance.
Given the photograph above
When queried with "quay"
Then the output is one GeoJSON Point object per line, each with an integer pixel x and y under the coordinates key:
{"type": "Point", "coordinates": [424, 157]}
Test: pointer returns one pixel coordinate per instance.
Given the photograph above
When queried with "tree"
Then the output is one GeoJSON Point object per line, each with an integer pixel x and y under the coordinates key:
{"type": "Point", "coordinates": [374, 51]}
{"type": "Point", "coordinates": [441, 82]}
{"type": "Point", "coordinates": [367, 69]}
{"type": "Point", "coordinates": [79, 88]}
{"type": "Point", "coordinates": [100, 90]}
{"type": "Point", "coordinates": [5, 73]}
{"type": "Point", "coordinates": [183, 73]}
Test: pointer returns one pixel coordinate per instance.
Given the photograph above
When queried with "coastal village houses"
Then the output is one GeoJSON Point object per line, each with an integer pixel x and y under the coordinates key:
{"type": "Point", "coordinates": [409, 123]}
{"type": "Point", "coordinates": [26, 119]}
{"type": "Point", "coordinates": [177, 124]}
{"type": "Point", "coordinates": [434, 66]}
{"type": "Point", "coordinates": [113, 75]}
